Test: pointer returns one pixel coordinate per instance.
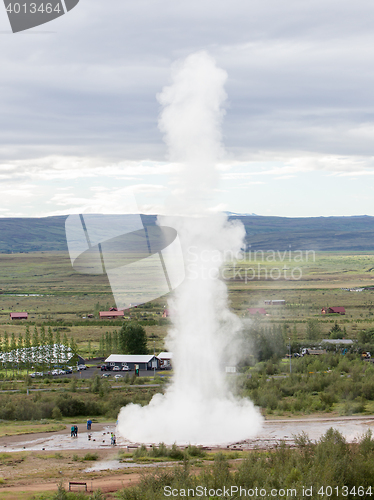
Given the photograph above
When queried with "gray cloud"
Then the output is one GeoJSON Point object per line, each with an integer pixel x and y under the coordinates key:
{"type": "Point", "coordinates": [300, 77]}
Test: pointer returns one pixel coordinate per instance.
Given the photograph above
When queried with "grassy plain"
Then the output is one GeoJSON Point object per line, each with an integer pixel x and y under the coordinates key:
{"type": "Point", "coordinates": [28, 427]}
{"type": "Point", "coordinates": [45, 285]}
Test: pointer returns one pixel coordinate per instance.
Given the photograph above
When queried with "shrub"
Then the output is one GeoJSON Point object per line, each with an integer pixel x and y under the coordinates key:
{"type": "Point", "coordinates": [61, 493]}
{"type": "Point", "coordinates": [176, 453]}
{"type": "Point", "coordinates": [95, 384]}
{"type": "Point", "coordinates": [56, 413]}
{"type": "Point", "coordinates": [195, 451]}
{"type": "Point", "coordinates": [159, 451]}
{"type": "Point", "coordinates": [97, 495]}
{"type": "Point", "coordinates": [140, 452]}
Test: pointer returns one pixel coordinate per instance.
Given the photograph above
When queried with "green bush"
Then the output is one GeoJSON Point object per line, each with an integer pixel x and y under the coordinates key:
{"type": "Point", "coordinates": [56, 413]}
{"type": "Point", "coordinates": [97, 495]}
{"type": "Point", "coordinates": [328, 462]}
{"type": "Point", "coordinates": [140, 452]}
{"type": "Point", "coordinates": [195, 451]}
{"type": "Point", "coordinates": [162, 451]}
{"type": "Point", "coordinates": [176, 453]}
{"type": "Point", "coordinates": [313, 385]}
{"type": "Point", "coordinates": [158, 451]}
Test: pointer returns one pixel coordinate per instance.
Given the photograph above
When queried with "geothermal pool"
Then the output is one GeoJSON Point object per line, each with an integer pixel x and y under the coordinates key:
{"type": "Point", "coordinates": [272, 432]}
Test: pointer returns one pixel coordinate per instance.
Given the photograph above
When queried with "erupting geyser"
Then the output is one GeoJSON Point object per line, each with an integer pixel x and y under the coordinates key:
{"type": "Point", "coordinates": [198, 407]}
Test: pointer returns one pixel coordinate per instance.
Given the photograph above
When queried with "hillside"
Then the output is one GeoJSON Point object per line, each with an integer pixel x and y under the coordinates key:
{"type": "Point", "coordinates": [311, 233]}
{"type": "Point", "coordinates": [265, 233]}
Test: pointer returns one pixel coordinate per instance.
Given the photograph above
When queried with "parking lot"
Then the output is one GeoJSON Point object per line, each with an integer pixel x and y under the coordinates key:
{"type": "Point", "coordinates": [92, 371]}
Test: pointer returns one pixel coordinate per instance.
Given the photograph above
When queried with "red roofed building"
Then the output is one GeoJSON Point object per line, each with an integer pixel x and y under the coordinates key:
{"type": "Point", "coordinates": [19, 315]}
{"type": "Point", "coordinates": [111, 314]}
{"type": "Point", "coordinates": [333, 310]}
{"type": "Point", "coordinates": [257, 310]}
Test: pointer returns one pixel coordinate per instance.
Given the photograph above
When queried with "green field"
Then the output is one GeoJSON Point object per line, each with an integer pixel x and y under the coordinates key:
{"type": "Point", "coordinates": [55, 296]}
{"type": "Point", "coordinates": [45, 285]}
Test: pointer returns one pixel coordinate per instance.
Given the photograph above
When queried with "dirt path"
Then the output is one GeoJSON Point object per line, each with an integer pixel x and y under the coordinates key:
{"type": "Point", "coordinates": [107, 485]}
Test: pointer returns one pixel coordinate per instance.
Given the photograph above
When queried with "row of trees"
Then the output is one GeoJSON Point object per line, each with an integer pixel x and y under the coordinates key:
{"type": "Point", "coordinates": [314, 331]}
{"type": "Point", "coordinates": [39, 350]}
{"type": "Point", "coordinates": [131, 339]}
{"type": "Point", "coordinates": [109, 343]}
{"type": "Point", "coordinates": [44, 348]}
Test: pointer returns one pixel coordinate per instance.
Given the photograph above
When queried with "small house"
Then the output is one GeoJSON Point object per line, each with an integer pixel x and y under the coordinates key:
{"type": "Point", "coordinates": [165, 313]}
{"type": "Point", "coordinates": [257, 310]}
{"type": "Point", "coordinates": [165, 360]}
{"type": "Point", "coordinates": [75, 360]}
{"type": "Point", "coordinates": [333, 310]}
{"type": "Point", "coordinates": [111, 314]}
{"type": "Point", "coordinates": [18, 315]}
{"type": "Point", "coordinates": [275, 302]}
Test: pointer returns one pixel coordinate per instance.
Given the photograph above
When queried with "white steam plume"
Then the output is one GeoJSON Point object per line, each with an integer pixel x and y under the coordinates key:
{"type": "Point", "coordinates": [198, 407]}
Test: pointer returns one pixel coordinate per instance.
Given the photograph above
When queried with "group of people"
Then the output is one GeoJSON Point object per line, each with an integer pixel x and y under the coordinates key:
{"type": "Point", "coordinates": [74, 431]}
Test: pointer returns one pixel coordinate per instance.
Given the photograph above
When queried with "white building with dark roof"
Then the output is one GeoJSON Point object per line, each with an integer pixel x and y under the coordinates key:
{"type": "Point", "coordinates": [144, 361]}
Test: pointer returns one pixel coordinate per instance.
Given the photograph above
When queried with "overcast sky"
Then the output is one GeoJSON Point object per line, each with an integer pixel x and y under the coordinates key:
{"type": "Point", "coordinates": [79, 110]}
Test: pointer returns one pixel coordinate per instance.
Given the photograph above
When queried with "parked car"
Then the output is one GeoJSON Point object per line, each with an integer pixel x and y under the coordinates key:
{"type": "Point", "coordinates": [125, 368]}
{"type": "Point", "coordinates": [116, 368]}
{"type": "Point", "coordinates": [105, 375]}
{"type": "Point", "coordinates": [118, 376]}
{"type": "Point", "coordinates": [82, 367]}
{"type": "Point", "coordinates": [69, 369]}
{"type": "Point", "coordinates": [55, 372]}
{"type": "Point", "coordinates": [103, 368]}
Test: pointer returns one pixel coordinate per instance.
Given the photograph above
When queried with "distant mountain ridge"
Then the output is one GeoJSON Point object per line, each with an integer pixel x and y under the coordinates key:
{"type": "Point", "coordinates": [354, 233]}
